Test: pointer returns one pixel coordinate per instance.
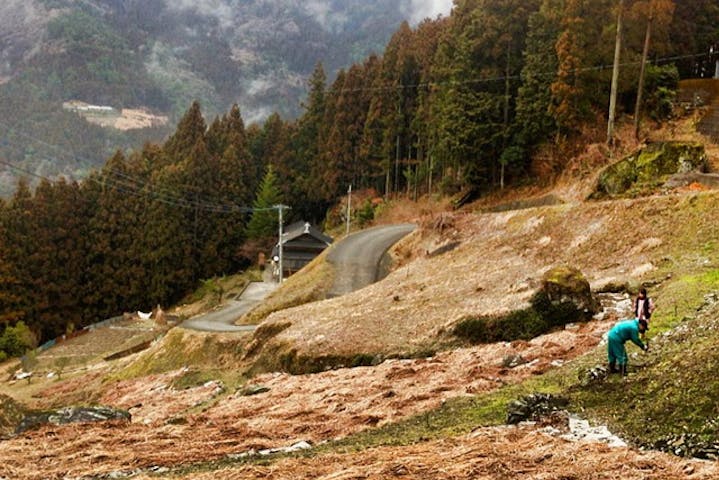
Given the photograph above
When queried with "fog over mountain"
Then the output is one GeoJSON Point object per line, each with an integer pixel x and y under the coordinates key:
{"type": "Point", "coordinates": [417, 10]}
{"type": "Point", "coordinates": [160, 55]}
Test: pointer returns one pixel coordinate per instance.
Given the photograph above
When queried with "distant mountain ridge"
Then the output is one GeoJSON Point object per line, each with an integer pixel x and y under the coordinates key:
{"type": "Point", "coordinates": [162, 54]}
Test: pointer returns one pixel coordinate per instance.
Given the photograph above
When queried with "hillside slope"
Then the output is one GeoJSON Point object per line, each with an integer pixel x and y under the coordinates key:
{"type": "Point", "coordinates": [199, 410]}
{"type": "Point", "coordinates": [494, 266]}
{"type": "Point", "coordinates": [182, 420]}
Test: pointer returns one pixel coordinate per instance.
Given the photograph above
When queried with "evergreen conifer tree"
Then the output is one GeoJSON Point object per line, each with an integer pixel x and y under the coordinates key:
{"type": "Point", "coordinates": [263, 223]}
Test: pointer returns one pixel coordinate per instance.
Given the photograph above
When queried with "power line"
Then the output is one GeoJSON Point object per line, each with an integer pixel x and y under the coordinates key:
{"type": "Point", "coordinates": [128, 184]}
{"type": "Point", "coordinates": [123, 181]}
{"type": "Point", "coordinates": [519, 76]}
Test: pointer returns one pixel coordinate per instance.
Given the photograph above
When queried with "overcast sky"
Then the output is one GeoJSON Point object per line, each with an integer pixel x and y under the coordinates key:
{"type": "Point", "coordinates": [421, 9]}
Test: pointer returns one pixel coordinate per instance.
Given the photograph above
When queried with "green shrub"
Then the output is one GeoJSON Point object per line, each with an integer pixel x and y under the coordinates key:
{"type": "Point", "coordinates": [15, 341]}
{"type": "Point", "coordinates": [661, 87]}
{"type": "Point", "coordinates": [541, 317]}
{"type": "Point", "coordinates": [365, 213]}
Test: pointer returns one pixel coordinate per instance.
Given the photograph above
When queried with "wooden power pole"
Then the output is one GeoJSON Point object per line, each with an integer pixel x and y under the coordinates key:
{"type": "Point", "coordinates": [615, 75]}
{"type": "Point", "coordinates": [642, 70]}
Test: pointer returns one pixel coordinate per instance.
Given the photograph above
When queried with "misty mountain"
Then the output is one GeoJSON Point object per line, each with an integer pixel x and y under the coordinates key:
{"type": "Point", "coordinates": [158, 56]}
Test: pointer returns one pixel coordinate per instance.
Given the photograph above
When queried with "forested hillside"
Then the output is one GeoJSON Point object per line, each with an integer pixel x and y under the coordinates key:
{"type": "Point", "coordinates": [161, 55]}
{"type": "Point", "coordinates": [463, 103]}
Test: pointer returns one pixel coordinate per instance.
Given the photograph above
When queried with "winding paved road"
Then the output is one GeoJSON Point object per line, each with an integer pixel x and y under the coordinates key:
{"type": "Point", "coordinates": [223, 320]}
{"type": "Point", "coordinates": [357, 258]}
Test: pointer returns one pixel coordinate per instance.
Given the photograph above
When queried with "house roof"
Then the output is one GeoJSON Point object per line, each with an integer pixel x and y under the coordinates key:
{"type": "Point", "coordinates": [301, 229]}
{"type": "Point", "coordinates": [298, 229]}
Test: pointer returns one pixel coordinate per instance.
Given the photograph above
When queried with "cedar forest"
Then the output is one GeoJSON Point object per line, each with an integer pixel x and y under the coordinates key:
{"type": "Point", "coordinates": [456, 104]}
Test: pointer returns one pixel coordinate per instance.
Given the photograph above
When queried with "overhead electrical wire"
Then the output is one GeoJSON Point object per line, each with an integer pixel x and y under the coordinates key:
{"type": "Point", "coordinates": [133, 186]}
{"type": "Point", "coordinates": [124, 182]}
{"type": "Point", "coordinates": [502, 78]}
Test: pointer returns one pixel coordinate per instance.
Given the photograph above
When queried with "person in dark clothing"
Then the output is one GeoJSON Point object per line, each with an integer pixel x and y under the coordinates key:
{"type": "Point", "coordinates": [618, 336]}
{"type": "Point", "coordinates": [643, 306]}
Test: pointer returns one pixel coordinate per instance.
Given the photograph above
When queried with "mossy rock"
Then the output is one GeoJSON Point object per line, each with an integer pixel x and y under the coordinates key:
{"type": "Point", "coordinates": [68, 415]}
{"type": "Point", "coordinates": [566, 284]}
{"type": "Point", "coordinates": [650, 167]}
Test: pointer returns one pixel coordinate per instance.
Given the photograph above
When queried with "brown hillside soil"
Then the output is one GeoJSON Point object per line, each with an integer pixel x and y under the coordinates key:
{"type": "Point", "coordinates": [494, 267]}
{"type": "Point", "coordinates": [488, 453]}
{"type": "Point", "coordinates": [314, 408]}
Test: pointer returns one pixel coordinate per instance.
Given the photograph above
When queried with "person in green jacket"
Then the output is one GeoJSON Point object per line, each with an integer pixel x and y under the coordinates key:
{"type": "Point", "coordinates": [618, 336]}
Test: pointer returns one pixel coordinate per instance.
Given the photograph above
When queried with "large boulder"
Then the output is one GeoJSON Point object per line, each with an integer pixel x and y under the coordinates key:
{"type": "Point", "coordinates": [650, 167]}
{"type": "Point", "coordinates": [566, 287]}
{"type": "Point", "coordinates": [11, 412]}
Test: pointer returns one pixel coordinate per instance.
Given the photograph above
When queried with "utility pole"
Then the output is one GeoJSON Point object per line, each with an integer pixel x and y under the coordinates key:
{"type": "Point", "coordinates": [349, 207]}
{"type": "Point", "coordinates": [642, 69]}
{"type": "Point", "coordinates": [280, 209]}
{"type": "Point", "coordinates": [505, 135]}
{"type": "Point", "coordinates": [615, 76]}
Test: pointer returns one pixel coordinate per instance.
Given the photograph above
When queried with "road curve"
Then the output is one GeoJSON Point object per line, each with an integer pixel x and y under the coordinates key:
{"type": "Point", "coordinates": [357, 258]}
{"type": "Point", "coordinates": [223, 320]}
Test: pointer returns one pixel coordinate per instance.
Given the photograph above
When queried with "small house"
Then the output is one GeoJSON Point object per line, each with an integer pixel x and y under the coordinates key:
{"type": "Point", "coordinates": [301, 243]}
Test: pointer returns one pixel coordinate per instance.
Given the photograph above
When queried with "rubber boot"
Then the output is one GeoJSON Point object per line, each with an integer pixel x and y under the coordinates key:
{"type": "Point", "coordinates": [613, 367]}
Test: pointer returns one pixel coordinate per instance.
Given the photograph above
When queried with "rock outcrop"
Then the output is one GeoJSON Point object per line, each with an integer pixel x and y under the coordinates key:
{"type": "Point", "coordinates": [649, 168]}
{"type": "Point", "coordinates": [72, 415]}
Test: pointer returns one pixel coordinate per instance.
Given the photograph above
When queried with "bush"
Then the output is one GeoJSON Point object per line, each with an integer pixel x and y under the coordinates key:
{"type": "Point", "coordinates": [661, 89]}
{"type": "Point", "coordinates": [15, 341]}
{"type": "Point", "coordinates": [365, 213]}
{"type": "Point", "coordinates": [541, 317]}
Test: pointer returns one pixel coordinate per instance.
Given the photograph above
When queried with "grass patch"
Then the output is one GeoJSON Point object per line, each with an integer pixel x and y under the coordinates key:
{"type": "Point", "coordinates": [458, 416]}
{"type": "Point", "coordinates": [308, 285]}
{"type": "Point", "coordinates": [541, 317]}
{"type": "Point", "coordinates": [182, 348]}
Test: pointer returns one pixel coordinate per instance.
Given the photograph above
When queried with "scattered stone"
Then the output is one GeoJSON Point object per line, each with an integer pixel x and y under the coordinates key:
{"type": "Point", "coordinates": [512, 361]}
{"type": "Point", "coordinates": [593, 376]}
{"type": "Point", "coordinates": [67, 415]}
{"type": "Point", "coordinates": [533, 407]}
{"type": "Point", "coordinates": [448, 247]}
{"type": "Point", "coordinates": [297, 447]}
{"type": "Point", "coordinates": [688, 445]}
{"type": "Point", "coordinates": [251, 390]}
{"type": "Point", "coordinates": [580, 430]}
{"type": "Point", "coordinates": [302, 445]}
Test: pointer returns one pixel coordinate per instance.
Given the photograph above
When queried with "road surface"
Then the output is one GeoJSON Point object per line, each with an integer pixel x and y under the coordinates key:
{"type": "Point", "coordinates": [223, 320]}
{"type": "Point", "coordinates": [357, 258]}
